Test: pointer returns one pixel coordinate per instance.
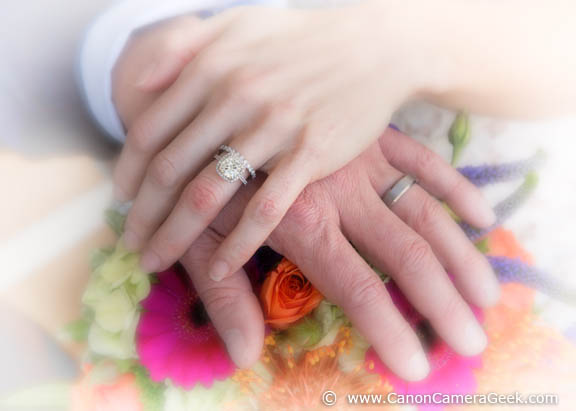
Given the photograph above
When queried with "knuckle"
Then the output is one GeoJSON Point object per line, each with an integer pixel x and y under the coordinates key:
{"type": "Point", "coordinates": [426, 217]}
{"type": "Point", "coordinates": [460, 187]}
{"type": "Point", "coordinates": [362, 292]}
{"type": "Point", "coordinates": [304, 213]}
{"type": "Point", "coordinates": [136, 223]}
{"type": "Point", "coordinates": [141, 135]}
{"type": "Point", "coordinates": [223, 301]}
{"type": "Point", "coordinates": [201, 195]}
{"type": "Point", "coordinates": [426, 161]}
{"type": "Point", "coordinates": [415, 255]}
{"type": "Point", "coordinates": [265, 210]}
{"type": "Point", "coordinates": [219, 299]}
{"type": "Point", "coordinates": [163, 172]}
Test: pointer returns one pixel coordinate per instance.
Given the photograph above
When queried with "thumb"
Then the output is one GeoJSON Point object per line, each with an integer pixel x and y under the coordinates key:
{"type": "Point", "coordinates": [178, 42]}
{"type": "Point", "coordinates": [230, 303]}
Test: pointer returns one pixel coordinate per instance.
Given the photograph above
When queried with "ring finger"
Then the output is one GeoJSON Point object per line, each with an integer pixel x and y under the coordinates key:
{"type": "Point", "coordinates": [169, 171]}
{"type": "Point", "coordinates": [410, 260]}
{"type": "Point", "coordinates": [202, 200]}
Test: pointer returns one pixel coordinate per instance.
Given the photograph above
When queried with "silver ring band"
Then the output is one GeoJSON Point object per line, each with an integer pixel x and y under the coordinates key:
{"type": "Point", "coordinates": [231, 165]}
{"type": "Point", "coordinates": [398, 190]}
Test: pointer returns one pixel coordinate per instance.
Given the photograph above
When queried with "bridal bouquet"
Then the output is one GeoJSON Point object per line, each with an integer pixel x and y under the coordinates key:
{"type": "Point", "coordinates": [151, 346]}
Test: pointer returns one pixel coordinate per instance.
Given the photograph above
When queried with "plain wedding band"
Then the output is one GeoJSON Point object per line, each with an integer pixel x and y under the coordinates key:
{"type": "Point", "coordinates": [396, 192]}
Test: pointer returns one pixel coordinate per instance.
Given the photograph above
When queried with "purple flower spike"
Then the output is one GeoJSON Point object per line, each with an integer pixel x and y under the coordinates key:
{"type": "Point", "coordinates": [394, 127]}
{"type": "Point", "coordinates": [491, 174]}
{"type": "Point", "coordinates": [514, 270]}
{"type": "Point", "coordinates": [505, 208]}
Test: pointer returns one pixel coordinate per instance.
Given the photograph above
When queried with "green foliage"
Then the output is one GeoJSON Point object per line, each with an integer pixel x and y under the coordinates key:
{"type": "Point", "coordinates": [115, 221]}
{"type": "Point", "coordinates": [152, 393]}
{"type": "Point", "coordinates": [459, 136]}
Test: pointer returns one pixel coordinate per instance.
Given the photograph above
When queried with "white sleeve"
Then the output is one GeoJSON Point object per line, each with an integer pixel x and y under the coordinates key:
{"type": "Point", "coordinates": [106, 38]}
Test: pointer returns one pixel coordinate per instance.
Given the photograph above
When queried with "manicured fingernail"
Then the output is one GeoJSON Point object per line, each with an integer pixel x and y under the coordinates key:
{"type": "Point", "coordinates": [236, 346]}
{"type": "Point", "coordinates": [418, 367]}
{"type": "Point", "coordinates": [130, 241]}
{"type": "Point", "coordinates": [150, 262]}
{"type": "Point", "coordinates": [147, 74]}
{"type": "Point", "coordinates": [218, 271]}
{"type": "Point", "coordinates": [476, 339]}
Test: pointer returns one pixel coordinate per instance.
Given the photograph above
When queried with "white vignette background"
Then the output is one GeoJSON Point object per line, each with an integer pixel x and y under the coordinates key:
{"type": "Point", "coordinates": [55, 182]}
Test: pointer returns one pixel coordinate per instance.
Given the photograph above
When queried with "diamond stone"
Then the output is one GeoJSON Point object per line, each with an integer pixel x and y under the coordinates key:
{"type": "Point", "coordinates": [230, 167]}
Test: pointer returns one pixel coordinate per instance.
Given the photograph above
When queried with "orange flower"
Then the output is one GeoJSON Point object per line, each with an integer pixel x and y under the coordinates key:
{"type": "Point", "coordinates": [121, 394]}
{"type": "Point", "coordinates": [287, 295]}
{"type": "Point", "coordinates": [502, 242]}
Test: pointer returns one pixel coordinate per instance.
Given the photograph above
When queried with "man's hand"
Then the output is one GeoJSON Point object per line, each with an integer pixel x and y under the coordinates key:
{"type": "Point", "coordinates": [414, 242]}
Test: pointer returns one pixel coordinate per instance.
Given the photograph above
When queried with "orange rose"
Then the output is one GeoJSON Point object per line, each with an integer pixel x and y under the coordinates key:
{"type": "Point", "coordinates": [287, 295]}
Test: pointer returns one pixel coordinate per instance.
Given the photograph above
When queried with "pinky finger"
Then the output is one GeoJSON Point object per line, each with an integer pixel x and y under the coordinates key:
{"type": "Point", "coordinates": [261, 216]}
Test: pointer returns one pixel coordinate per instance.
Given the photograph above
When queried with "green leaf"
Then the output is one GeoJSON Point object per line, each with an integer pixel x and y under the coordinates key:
{"type": "Point", "coordinates": [77, 330]}
{"type": "Point", "coordinates": [531, 180]}
{"type": "Point", "coordinates": [482, 246]}
{"type": "Point", "coordinates": [305, 333]}
{"type": "Point", "coordinates": [99, 257]}
{"type": "Point", "coordinates": [152, 393]}
{"type": "Point", "coordinates": [115, 221]}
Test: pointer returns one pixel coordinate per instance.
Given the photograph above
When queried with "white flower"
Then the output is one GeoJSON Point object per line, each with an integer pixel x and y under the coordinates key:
{"type": "Point", "coordinates": [113, 297]}
{"type": "Point", "coordinates": [222, 395]}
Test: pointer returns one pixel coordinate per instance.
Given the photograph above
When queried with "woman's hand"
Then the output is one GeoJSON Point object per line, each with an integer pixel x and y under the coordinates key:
{"type": "Point", "coordinates": [316, 231]}
{"type": "Point", "coordinates": [298, 93]}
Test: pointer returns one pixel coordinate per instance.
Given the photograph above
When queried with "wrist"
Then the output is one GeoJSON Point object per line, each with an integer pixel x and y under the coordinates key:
{"type": "Point", "coordinates": [415, 36]}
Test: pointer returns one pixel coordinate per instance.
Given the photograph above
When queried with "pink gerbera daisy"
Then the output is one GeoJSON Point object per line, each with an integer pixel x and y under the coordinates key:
{"type": "Point", "coordinates": [175, 339]}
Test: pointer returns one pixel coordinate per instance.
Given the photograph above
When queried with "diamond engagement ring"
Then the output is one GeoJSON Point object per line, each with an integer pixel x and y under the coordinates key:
{"type": "Point", "coordinates": [398, 190]}
{"type": "Point", "coordinates": [231, 165]}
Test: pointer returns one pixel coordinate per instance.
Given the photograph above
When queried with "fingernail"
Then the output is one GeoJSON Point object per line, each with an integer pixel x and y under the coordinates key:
{"type": "Point", "coordinates": [491, 291]}
{"type": "Point", "coordinates": [486, 290]}
{"type": "Point", "coordinates": [487, 216]}
{"type": "Point", "coordinates": [146, 75]}
{"type": "Point", "coordinates": [218, 271]}
{"type": "Point", "coordinates": [493, 294]}
{"type": "Point", "coordinates": [418, 367]}
{"type": "Point", "coordinates": [236, 346]}
{"type": "Point", "coordinates": [130, 241]}
{"type": "Point", "coordinates": [150, 262]}
{"type": "Point", "coordinates": [476, 339]}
